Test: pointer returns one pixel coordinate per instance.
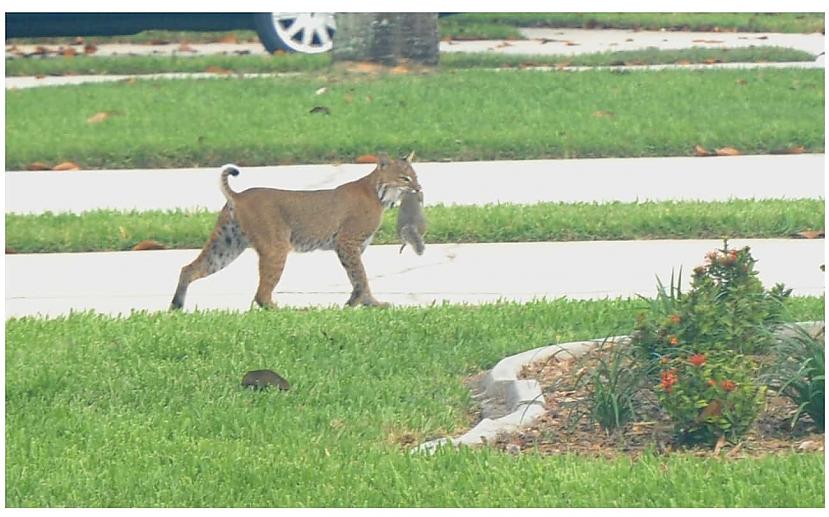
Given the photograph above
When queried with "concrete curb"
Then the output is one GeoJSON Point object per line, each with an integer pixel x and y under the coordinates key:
{"type": "Point", "coordinates": [524, 399]}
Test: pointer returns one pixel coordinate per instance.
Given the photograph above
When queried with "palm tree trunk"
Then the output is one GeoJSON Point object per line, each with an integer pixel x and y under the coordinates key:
{"type": "Point", "coordinates": [387, 38]}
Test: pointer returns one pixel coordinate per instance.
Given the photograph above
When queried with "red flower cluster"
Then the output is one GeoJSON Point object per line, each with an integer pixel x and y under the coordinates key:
{"type": "Point", "coordinates": [675, 319]}
{"type": "Point", "coordinates": [728, 385]}
{"type": "Point", "coordinates": [673, 340]}
{"type": "Point", "coordinates": [669, 378]}
{"type": "Point", "coordinates": [697, 359]}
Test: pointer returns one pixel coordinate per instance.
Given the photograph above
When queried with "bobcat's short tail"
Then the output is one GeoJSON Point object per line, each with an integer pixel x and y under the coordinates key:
{"type": "Point", "coordinates": [228, 170]}
{"type": "Point", "coordinates": [409, 235]}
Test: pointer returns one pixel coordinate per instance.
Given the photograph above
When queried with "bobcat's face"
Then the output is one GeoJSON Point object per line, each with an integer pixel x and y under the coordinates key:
{"type": "Point", "coordinates": [395, 178]}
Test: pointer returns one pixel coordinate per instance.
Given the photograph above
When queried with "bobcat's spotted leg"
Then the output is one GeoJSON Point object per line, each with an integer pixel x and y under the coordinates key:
{"type": "Point", "coordinates": [225, 244]}
{"type": "Point", "coordinates": [349, 254]}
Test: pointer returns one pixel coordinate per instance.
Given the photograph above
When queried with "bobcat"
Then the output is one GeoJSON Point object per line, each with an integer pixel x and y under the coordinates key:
{"type": "Point", "coordinates": [411, 223]}
{"type": "Point", "coordinates": [275, 222]}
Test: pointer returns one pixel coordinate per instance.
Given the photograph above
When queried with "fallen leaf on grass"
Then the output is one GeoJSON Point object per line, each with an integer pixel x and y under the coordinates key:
{"type": "Point", "coordinates": [602, 113]}
{"type": "Point", "coordinates": [727, 151]}
{"type": "Point", "coordinates": [701, 151]}
{"type": "Point", "coordinates": [66, 166]}
{"type": "Point", "coordinates": [320, 109]}
{"type": "Point", "coordinates": [711, 61]}
{"type": "Point", "coordinates": [366, 158]}
{"type": "Point", "coordinates": [213, 69]}
{"type": "Point", "coordinates": [810, 234]}
{"type": "Point", "coordinates": [148, 245]}
{"type": "Point", "coordinates": [798, 149]}
{"type": "Point", "coordinates": [69, 52]}
{"type": "Point", "coordinates": [98, 117]}
{"type": "Point", "coordinates": [90, 49]}
{"type": "Point", "coordinates": [741, 82]}
{"type": "Point", "coordinates": [37, 166]}
{"type": "Point", "coordinates": [230, 38]}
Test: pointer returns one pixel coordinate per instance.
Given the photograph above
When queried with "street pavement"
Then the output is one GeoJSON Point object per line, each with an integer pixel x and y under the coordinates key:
{"type": "Point", "coordinates": [113, 283]}
{"type": "Point", "coordinates": [558, 41]}
{"type": "Point", "coordinates": [462, 183]}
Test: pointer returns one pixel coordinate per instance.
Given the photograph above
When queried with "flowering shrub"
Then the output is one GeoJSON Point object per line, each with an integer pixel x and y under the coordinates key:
{"type": "Point", "coordinates": [695, 343]}
{"type": "Point", "coordinates": [727, 308]}
{"type": "Point", "coordinates": [709, 395]}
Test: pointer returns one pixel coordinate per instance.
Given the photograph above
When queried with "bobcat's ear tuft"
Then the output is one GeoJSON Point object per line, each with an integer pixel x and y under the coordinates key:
{"type": "Point", "coordinates": [410, 158]}
{"type": "Point", "coordinates": [383, 160]}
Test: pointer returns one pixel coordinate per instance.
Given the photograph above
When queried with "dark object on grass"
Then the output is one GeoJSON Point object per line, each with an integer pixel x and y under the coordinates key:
{"type": "Point", "coordinates": [261, 379]}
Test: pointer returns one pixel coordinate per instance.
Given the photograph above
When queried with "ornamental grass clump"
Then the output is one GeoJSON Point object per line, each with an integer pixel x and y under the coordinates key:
{"type": "Point", "coordinates": [612, 386]}
{"type": "Point", "coordinates": [799, 373]}
{"type": "Point", "coordinates": [699, 346]}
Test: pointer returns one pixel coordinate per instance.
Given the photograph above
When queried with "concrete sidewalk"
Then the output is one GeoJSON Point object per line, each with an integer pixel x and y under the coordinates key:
{"type": "Point", "coordinates": [463, 183]}
{"type": "Point", "coordinates": [66, 80]}
{"type": "Point", "coordinates": [53, 284]}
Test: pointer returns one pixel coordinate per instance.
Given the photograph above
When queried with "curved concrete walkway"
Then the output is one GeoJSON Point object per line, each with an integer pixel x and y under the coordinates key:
{"type": "Point", "coordinates": [53, 284]}
{"type": "Point", "coordinates": [463, 183]}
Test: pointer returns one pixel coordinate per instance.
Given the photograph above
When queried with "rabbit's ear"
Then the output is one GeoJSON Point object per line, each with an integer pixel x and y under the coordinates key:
{"type": "Point", "coordinates": [383, 160]}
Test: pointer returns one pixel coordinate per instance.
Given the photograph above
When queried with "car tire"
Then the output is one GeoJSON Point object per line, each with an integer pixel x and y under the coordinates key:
{"type": "Point", "coordinates": [308, 33]}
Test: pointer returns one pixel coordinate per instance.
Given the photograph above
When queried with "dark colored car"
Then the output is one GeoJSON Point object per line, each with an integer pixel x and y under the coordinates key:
{"type": "Point", "coordinates": [294, 32]}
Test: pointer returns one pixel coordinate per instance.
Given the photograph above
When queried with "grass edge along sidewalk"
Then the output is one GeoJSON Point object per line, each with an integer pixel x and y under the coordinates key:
{"type": "Point", "coordinates": [224, 65]}
{"type": "Point", "coordinates": [112, 230]}
{"type": "Point", "coordinates": [89, 401]}
{"type": "Point", "coordinates": [166, 124]}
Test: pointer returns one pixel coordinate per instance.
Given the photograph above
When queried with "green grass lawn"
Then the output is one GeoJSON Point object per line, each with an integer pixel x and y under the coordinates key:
{"type": "Point", "coordinates": [147, 410]}
{"type": "Point", "coordinates": [111, 65]}
{"type": "Point", "coordinates": [106, 230]}
{"type": "Point", "coordinates": [459, 115]}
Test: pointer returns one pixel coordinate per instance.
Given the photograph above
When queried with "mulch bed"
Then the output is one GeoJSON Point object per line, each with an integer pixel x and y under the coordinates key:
{"type": "Point", "coordinates": [560, 431]}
